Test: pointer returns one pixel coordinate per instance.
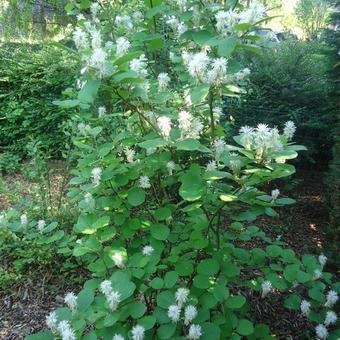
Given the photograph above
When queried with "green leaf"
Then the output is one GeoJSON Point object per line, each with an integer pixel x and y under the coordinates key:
{"type": "Point", "coordinates": [188, 145]}
{"type": "Point", "coordinates": [159, 231]}
{"type": "Point", "coordinates": [201, 37]}
{"type": "Point", "coordinates": [85, 298]}
{"type": "Point", "coordinates": [293, 302]}
{"type": "Point", "coordinates": [228, 198]}
{"type": "Point", "coordinates": [165, 299]}
{"type": "Point", "coordinates": [199, 93]}
{"type": "Point", "coordinates": [235, 302]}
{"type": "Point", "coordinates": [89, 91]}
{"type": "Point", "coordinates": [166, 331]}
{"type": "Point", "coordinates": [66, 104]}
{"type": "Point", "coordinates": [137, 310]}
{"type": "Point", "coordinates": [192, 188]}
{"type": "Point", "coordinates": [245, 327]}
{"type": "Point", "coordinates": [210, 331]}
{"type": "Point", "coordinates": [147, 322]}
{"type": "Point", "coordinates": [157, 283]}
{"type": "Point", "coordinates": [274, 251]}
{"type": "Point", "coordinates": [208, 267]}
{"type": "Point", "coordinates": [170, 279]}
{"type": "Point", "coordinates": [153, 143]}
{"type": "Point", "coordinates": [226, 47]}
{"type": "Point", "coordinates": [202, 281]}
{"type": "Point", "coordinates": [317, 295]}
{"type": "Point", "coordinates": [136, 196]}
{"type": "Point", "coordinates": [184, 268]}
{"type": "Point", "coordinates": [162, 214]}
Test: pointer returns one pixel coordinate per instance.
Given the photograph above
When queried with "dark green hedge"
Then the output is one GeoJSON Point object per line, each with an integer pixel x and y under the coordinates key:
{"type": "Point", "coordinates": [31, 78]}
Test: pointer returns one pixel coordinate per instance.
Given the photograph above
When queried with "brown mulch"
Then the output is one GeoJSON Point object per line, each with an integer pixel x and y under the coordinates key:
{"type": "Point", "coordinates": [301, 226]}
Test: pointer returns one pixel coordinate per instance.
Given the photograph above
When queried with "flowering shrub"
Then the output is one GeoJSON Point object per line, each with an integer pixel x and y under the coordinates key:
{"type": "Point", "coordinates": [165, 201]}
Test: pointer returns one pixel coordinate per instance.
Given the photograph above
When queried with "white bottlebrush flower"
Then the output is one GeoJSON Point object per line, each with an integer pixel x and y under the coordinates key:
{"type": "Point", "coordinates": [101, 111]}
{"type": "Point", "coordinates": [190, 314]}
{"type": "Point", "coordinates": [217, 74]}
{"type": "Point", "coordinates": [322, 260]}
{"type": "Point", "coordinates": [118, 260]}
{"type": "Point", "coordinates": [330, 318]}
{"type": "Point", "coordinates": [266, 288]}
{"type": "Point", "coordinates": [124, 22]}
{"type": "Point", "coordinates": [219, 146]}
{"type": "Point", "coordinates": [98, 59]}
{"type": "Point", "coordinates": [81, 17]}
{"type": "Point", "coordinates": [147, 250]}
{"type": "Point", "coordinates": [171, 167]}
{"type": "Point", "coordinates": [23, 220]}
{"type": "Point", "coordinates": [118, 337]}
{"type": "Point", "coordinates": [247, 136]}
{"type": "Point", "coordinates": [52, 322]}
{"type": "Point", "coordinates": [305, 307]}
{"type": "Point", "coordinates": [65, 330]}
{"type": "Point", "coordinates": [331, 298]}
{"type": "Point", "coordinates": [96, 174]}
{"type": "Point", "coordinates": [138, 332]}
{"type": "Point", "coordinates": [174, 313]}
{"type": "Point", "coordinates": [321, 332]}
{"type": "Point", "coordinates": [195, 332]}
{"type": "Point", "coordinates": [129, 154]}
{"type": "Point", "coordinates": [106, 287]}
{"type": "Point", "coordinates": [94, 8]}
{"type": "Point", "coordinates": [217, 112]}
{"type": "Point", "coordinates": [184, 121]}
{"type": "Point", "coordinates": [235, 165]}
{"type": "Point", "coordinates": [70, 300]}
{"type": "Point", "coordinates": [317, 274]}
{"type": "Point", "coordinates": [122, 46]}
{"type": "Point", "coordinates": [177, 26]}
{"type": "Point", "coordinates": [109, 46]}
{"type": "Point", "coordinates": [255, 12]}
{"type": "Point", "coordinates": [289, 129]}
{"type": "Point", "coordinates": [240, 75]}
{"type": "Point", "coordinates": [41, 225]}
{"type": "Point", "coordinates": [163, 81]}
{"type": "Point", "coordinates": [96, 41]}
{"type": "Point", "coordinates": [181, 4]}
{"type": "Point", "coordinates": [83, 129]}
{"type": "Point", "coordinates": [164, 124]}
{"type": "Point", "coordinates": [181, 296]}
{"type": "Point", "coordinates": [88, 198]}
{"type": "Point", "coordinates": [275, 194]}
{"type": "Point", "coordinates": [3, 220]}
{"type": "Point", "coordinates": [144, 182]}
{"type": "Point", "coordinates": [225, 22]}
{"type": "Point", "coordinates": [211, 166]}
{"type": "Point", "coordinates": [139, 66]}
{"type": "Point", "coordinates": [138, 16]}
{"type": "Point", "coordinates": [181, 28]}
{"type": "Point", "coordinates": [197, 66]}
{"type": "Point", "coordinates": [113, 300]}
{"type": "Point", "coordinates": [80, 39]}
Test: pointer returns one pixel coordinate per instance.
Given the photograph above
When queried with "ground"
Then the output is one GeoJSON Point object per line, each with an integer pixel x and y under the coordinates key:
{"type": "Point", "coordinates": [300, 226]}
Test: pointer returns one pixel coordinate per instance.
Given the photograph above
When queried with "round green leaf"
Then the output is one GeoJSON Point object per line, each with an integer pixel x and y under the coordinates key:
{"type": "Point", "coordinates": [159, 231]}
{"type": "Point", "coordinates": [165, 299]}
{"type": "Point", "coordinates": [170, 279]}
{"type": "Point", "coordinates": [136, 196]}
{"type": "Point", "coordinates": [137, 310]}
{"type": "Point", "coordinates": [166, 331]}
{"type": "Point", "coordinates": [157, 283]}
{"type": "Point", "coordinates": [208, 267]}
{"type": "Point", "coordinates": [245, 327]}
{"type": "Point", "coordinates": [235, 302]}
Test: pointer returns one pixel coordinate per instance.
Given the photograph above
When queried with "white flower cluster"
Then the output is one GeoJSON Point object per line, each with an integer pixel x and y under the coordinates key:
{"type": "Point", "coordinates": [117, 258]}
{"type": "Point", "coordinates": [138, 332]}
{"type": "Point", "coordinates": [3, 220]}
{"type": "Point", "coordinates": [24, 220]}
{"type": "Point", "coordinates": [148, 250]}
{"type": "Point", "coordinates": [219, 147]}
{"type": "Point", "coordinates": [261, 139]}
{"type": "Point", "coordinates": [205, 69]}
{"type": "Point", "coordinates": [144, 182]}
{"type": "Point", "coordinates": [211, 166]}
{"type": "Point", "coordinates": [321, 332]}
{"type": "Point", "coordinates": [275, 194]}
{"type": "Point", "coordinates": [163, 81]}
{"type": "Point", "coordinates": [331, 298]}
{"type": "Point", "coordinates": [96, 174]}
{"type": "Point", "coordinates": [305, 307]}
{"type": "Point", "coordinates": [112, 297]}
{"type": "Point", "coordinates": [139, 65]}
{"type": "Point", "coordinates": [190, 126]}
{"type": "Point", "coordinates": [62, 328]}
{"type": "Point", "coordinates": [83, 129]}
{"type": "Point", "coordinates": [124, 22]}
{"type": "Point", "coordinates": [170, 167]}
{"type": "Point", "coordinates": [181, 4]}
{"type": "Point", "coordinates": [177, 26]}
{"type": "Point", "coordinates": [190, 313]}
{"type": "Point", "coordinates": [41, 225]}
{"type": "Point", "coordinates": [289, 129]}
{"type": "Point", "coordinates": [70, 300]}
{"type": "Point", "coordinates": [101, 111]}
{"type": "Point", "coordinates": [129, 154]}
{"type": "Point", "coordinates": [226, 20]}
{"type": "Point", "coordinates": [89, 198]}
{"type": "Point", "coordinates": [164, 125]}
{"type": "Point", "coordinates": [266, 287]}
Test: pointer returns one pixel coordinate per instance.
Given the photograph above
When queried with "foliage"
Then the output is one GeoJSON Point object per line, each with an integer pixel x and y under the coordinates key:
{"type": "Point", "coordinates": [9, 163]}
{"type": "Point", "coordinates": [291, 82]}
{"type": "Point", "coordinates": [21, 19]}
{"type": "Point", "coordinates": [32, 76]}
{"type": "Point", "coordinates": [165, 203]}
{"type": "Point", "coordinates": [312, 16]}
